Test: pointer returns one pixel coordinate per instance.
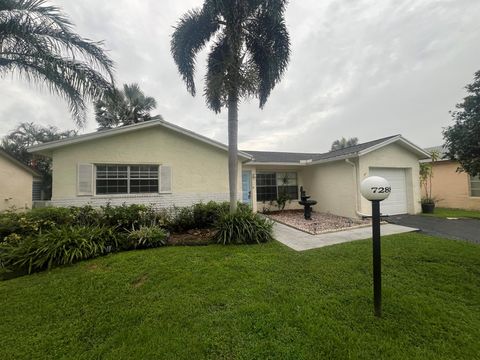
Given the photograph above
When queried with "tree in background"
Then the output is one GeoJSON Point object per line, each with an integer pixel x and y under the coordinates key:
{"type": "Point", "coordinates": [462, 140]}
{"type": "Point", "coordinates": [124, 107]}
{"type": "Point", "coordinates": [248, 57]}
{"type": "Point", "coordinates": [38, 43]}
{"type": "Point", "coordinates": [343, 143]}
{"type": "Point", "coordinates": [17, 141]}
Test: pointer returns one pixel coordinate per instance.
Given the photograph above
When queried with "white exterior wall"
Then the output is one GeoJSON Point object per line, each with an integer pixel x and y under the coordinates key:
{"type": "Point", "coordinates": [393, 156]}
{"type": "Point", "coordinates": [199, 170]}
{"type": "Point", "coordinates": [332, 185]}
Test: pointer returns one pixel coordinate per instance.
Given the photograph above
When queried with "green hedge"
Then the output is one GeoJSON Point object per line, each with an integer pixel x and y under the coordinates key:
{"type": "Point", "coordinates": [46, 237]}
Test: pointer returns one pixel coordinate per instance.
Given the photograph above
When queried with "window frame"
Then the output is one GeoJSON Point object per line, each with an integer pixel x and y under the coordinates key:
{"type": "Point", "coordinates": [128, 178]}
{"type": "Point", "coordinates": [277, 185]}
{"type": "Point", "coordinates": [474, 180]}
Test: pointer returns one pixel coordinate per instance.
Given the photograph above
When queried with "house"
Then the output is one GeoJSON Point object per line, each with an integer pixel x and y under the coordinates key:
{"type": "Point", "coordinates": [17, 183]}
{"type": "Point", "coordinates": [162, 164]}
{"type": "Point", "coordinates": [451, 188]}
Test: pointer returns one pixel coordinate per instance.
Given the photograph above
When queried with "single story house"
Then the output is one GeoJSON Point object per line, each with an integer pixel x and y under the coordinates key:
{"type": "Point", "coordinates": [162, 164]}
{"type": "Point", "coordinates": [17, 183]}
{"type": "Point", "coordinates": [451, 188]}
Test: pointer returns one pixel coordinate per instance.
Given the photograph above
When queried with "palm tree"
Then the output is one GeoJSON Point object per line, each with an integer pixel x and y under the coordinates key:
{"type": "Point", "coordinates": [38, 43]}
{"type": "Point", "coordinates": [124, 107]}
{"type": "Point", "coordinates": [344, 143]}
{"type": "Point", "coordinates": [249, 55]}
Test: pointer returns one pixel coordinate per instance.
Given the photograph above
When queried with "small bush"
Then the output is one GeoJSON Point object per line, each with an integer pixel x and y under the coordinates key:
{"type": "Point", "coordinates": [181, 219]}
{"type": "Point", "coordinates": [86, 216]}
{"type": "Point", "coordinates": [206, 215]}
{"type": "Point", "coordinates": [126, 217]}
{"type": "Point", "coordinates": [146, 237]}
{"type": "Point", "coordinates": [243, 227]}
{"type": "Point", "coordinates": [58, 246]}
{"type": "Point", "coordinates": [49, 215]}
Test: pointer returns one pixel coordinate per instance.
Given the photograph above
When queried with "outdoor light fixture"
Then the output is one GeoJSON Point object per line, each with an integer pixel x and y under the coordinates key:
{"type": "Point", "coordinates": [376, 189]}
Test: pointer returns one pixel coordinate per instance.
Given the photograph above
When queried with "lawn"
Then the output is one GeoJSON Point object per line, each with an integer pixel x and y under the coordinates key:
{"type": "Point", "coordinates": [455, 213]}
{"type": "Point", "coordinates": [250, 302]}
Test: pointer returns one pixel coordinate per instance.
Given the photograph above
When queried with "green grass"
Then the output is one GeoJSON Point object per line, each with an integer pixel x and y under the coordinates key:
{"type": "Point", "coordinates": [250, 302]}
{"type": "Point", "coordinates": [456, 213]}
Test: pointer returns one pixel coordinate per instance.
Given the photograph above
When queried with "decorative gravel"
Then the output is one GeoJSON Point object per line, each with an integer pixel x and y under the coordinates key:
{"type": "Point", "coordinates": [320, 223]}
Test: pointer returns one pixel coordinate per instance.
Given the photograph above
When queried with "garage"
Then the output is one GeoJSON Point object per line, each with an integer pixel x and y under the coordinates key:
{"type": "Point", "coordinates": [396, 203]}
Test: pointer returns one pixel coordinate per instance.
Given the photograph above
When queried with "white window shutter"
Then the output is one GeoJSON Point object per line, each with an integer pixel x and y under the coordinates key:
{"type": "Point", "coordinates": [165, 179]}
{"type": "Point", "coordinates": [85, 179]}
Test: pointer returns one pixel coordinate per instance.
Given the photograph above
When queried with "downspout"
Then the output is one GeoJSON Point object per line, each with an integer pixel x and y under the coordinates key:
{"type": "Point", "coordinates": [355, 182]}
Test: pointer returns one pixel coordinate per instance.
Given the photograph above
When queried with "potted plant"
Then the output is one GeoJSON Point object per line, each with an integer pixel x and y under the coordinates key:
{"type": "Point", "coordinates": [426, 175]}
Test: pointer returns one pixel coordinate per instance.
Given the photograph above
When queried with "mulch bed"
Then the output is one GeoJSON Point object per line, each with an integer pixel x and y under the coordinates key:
{"type": "Point", "coordinates": [320, 223]}
{"type": "Point", "coordinates": [192, 238]}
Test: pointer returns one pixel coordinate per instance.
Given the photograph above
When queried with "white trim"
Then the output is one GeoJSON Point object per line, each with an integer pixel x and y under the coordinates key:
{"type": "Point", "coordinates": [124, 129]}
{"type": "Point", "coordinates": [276, 163]}
{"type": "Point", "coordinates": [92, 180]}
{"type": "Point", "coordinates": [400, 138]}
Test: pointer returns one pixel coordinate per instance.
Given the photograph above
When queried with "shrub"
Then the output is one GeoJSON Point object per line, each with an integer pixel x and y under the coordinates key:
{"type": "Point", "coordinates": [49, 215]}
{"type": "Point", "coordinates": [181, 219]}
{"type": "Point", "coordinates": [146, 237]}
{"type": "Point", "coordinates": [9, 224]}
{"type": "Point", "coordinates": [59, 246]}
{"type": "Point", "coordinates": [206, 215]}
{"type": "Point", "coordinates": [86, 216]}
{"type": "Point", "coordinates": [243, 227]}
{"type": "Point", "coordinates": [126, 217]}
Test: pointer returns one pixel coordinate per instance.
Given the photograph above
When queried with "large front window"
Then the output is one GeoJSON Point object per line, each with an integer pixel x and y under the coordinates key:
{"type": "Point", "coordinates": [272, 185]}
{"type": "Point", "coordinates": [475, 186]}
{"type": "Point", "coordinates": [126, 179]}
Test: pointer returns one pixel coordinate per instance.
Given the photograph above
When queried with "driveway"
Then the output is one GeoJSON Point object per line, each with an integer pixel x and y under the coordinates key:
{"type": "Point", "coordinates": [460, 229]}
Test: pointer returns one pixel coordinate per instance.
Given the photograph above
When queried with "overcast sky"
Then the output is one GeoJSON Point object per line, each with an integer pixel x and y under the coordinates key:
{"type": "Point", "coordinates": [364, 68]}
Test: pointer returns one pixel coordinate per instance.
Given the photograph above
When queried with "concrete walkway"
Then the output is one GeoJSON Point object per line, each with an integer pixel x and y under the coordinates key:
{"type": "Point", "coordinates": [299, 240]}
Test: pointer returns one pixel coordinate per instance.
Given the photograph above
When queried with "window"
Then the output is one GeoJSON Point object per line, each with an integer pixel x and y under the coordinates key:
{"type": "Point", "coordinates": [126, 179]}
{"type": "Point", "coordinates": [475, 186]}
{"type": "Point", "coordinates": [287, 185]}
{"type": "Point", "coordinates": [271, 185]}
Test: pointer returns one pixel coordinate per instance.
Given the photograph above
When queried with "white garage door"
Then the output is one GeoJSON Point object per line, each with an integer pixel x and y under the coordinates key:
{"type": "Point", "coordinates": [397, 201]}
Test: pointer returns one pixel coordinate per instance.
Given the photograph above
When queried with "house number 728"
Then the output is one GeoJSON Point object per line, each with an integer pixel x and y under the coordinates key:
{"type": "Point", "coordinates": [381, 190]}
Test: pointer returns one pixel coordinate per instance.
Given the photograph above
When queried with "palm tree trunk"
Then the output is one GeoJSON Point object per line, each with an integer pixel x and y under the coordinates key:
{"type": "Point", "coordinates": [233, 150]}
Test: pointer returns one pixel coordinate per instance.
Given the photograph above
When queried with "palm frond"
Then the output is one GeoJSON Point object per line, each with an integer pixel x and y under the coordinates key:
{"type": "Point", "coordinates": [37, 40]}
{"type": "Point", "coordinates": [191, 34]}
{"type": "Point", "coordinates": [217, 66]}
{"type": "Point", "coordinates": [268, 43]}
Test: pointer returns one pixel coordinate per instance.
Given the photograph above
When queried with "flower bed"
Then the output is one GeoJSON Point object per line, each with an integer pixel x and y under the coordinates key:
{"type": "Point", "coordinates": [320, 223]}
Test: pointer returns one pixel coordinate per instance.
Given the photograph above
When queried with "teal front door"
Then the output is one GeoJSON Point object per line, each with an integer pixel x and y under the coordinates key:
{"type": "Point", "coordinates": [247, 187]}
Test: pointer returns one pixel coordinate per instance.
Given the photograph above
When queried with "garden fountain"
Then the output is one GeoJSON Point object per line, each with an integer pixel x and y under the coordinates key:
{"type": "Point", "coordinates": [306, 203]}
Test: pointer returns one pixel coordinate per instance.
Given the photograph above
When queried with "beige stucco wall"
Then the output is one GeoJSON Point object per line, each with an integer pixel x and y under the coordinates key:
{"type": "Point", "coordinates": [452, 188]}
{"type": "Point", "coordinates": [333, 186]}
{"type": "Point", "coordinates": [260, 206]}
{"type": "Point", "coordinates": [393, 156]}
{"type": "Point", "coordinates": [15, 186]}
{"type": "Point", "coordinates": [197, 167]}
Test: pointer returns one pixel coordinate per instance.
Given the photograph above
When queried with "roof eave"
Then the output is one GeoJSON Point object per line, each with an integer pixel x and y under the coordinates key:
{"type": "Point", "coordinates": [47, 148]}
{"type": "Point", "coordinates": [422, 154]}
{"type": "Point", "coordinates": [277, 163]}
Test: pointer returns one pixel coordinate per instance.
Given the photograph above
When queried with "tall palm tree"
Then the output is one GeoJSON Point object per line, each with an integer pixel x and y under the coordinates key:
{"type": "Point", "coordinates": [343, 143]}
{"type": "Point", "coordinates": [249, 55]}
{"type": "Point", "coordinates": [124, 107]}
{"type": "Point", "coordinates": [38, 43]}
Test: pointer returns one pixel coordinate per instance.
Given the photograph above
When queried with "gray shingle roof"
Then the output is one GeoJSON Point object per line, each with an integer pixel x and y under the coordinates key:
{"type": "Point", "coordinates": [289, 157]}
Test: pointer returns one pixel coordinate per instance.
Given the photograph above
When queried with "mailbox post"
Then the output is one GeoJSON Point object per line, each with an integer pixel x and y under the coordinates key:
{"type": "Point", "coordinates": [376, 189]}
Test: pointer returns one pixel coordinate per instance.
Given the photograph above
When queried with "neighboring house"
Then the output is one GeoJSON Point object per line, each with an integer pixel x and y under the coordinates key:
{"type": "Point", "coordinates": [16, 183]}
{"type": "Point", "coordinates": [162, 164]}
{"type": "Point", "coordinates": [451, 188]}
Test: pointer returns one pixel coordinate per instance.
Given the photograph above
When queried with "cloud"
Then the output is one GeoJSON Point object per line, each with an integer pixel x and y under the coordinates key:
{"type": "Point", "coordinates": [358, 68]}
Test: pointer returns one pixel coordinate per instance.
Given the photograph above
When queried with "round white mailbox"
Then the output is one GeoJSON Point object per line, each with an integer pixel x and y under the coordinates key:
{"type": "Point", "coordinates": [375, 188]}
